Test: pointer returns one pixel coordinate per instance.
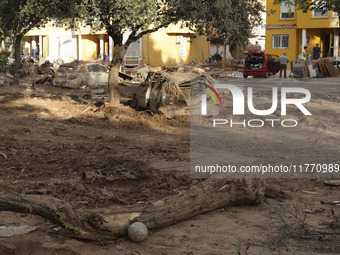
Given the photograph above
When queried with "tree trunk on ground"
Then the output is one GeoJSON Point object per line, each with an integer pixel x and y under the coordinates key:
{"type": "Point", "coordinates": [204, 197]}
{"type": "Point", "coordinates": [118, 57]}
{"type": "Point", "coordinates": [17, 51]}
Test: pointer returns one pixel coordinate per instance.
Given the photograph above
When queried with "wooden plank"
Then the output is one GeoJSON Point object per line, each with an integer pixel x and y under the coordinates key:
{"type": "Point", "coordinates": [321, 68]}
{"type": "Point", "coordinates": [330, 69]}
{"type": "Point", "coordinates": [326, 69]}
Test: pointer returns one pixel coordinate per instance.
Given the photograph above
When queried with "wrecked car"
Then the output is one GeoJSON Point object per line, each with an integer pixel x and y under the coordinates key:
{"type": "Point", "coordinates": [169, 93]}
{"type": "Point", "coordinates": [81, 75]}
{"type": "Point", "coordinates": [258, 63]}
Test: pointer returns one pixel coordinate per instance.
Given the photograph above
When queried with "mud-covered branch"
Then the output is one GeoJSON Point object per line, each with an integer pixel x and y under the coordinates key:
{"type": "Point", "coordinates": [80, 223]}
{"type": "Point", "coordinates": [204, 197]}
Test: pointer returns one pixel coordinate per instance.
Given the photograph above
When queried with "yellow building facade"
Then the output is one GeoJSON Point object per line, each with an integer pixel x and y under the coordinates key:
{"type": "Point", "coordinates": [289, 30]}
{"type": "Point", "coordinates": [169, 46]}
{"type": "Point", "coordinates": [174, 45]}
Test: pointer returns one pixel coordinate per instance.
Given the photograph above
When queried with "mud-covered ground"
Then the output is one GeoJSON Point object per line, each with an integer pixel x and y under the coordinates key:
{"type": "Point", "coordinates": [59, 143]}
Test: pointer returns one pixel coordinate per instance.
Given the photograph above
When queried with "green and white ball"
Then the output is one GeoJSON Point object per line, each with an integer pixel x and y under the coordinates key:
{"type": "Point", "coordinates": [137, 232]}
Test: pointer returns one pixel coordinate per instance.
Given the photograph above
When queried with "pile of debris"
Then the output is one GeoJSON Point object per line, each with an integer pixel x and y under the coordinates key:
{"type": "Point", "coordinates": [6, 80]}
{"type": "Point", "coordinates": [138, 75]}
{"type": "Point", "coordinates": [28, 69]}
{"type": "Point", "coordinates": [31, 74]}
{"type": "Point", "coordinates": [320, 68]}
{"type": "Point", "coordinates": [33, 69]}
{"type": "Point", "coordinates": [326, 67]}
{"type": "Point", "coordinates": [169, 93]}
{"type": "Point", "coordinates": [167, 89]}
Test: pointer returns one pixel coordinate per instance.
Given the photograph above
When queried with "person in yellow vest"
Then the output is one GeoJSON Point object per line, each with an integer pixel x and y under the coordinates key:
{"type": "Point", "coordinates": [304, 52]}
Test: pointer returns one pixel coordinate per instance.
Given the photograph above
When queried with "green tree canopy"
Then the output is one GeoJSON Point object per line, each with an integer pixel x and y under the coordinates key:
{"type": "Point", "coordinates": [228, 22]}
{"type": "Point", "coordinates": [232, 18]}
{"type": "Point", "coordinates": [20, 16]}
{"type": "Point", "coordinates": [134, 16]}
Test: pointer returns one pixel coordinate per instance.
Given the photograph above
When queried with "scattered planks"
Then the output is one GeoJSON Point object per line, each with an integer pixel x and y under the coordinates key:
{"type": "Point", "coordinates": [326, 67]}
{"type": "Point", "coordinates": [111, 224]}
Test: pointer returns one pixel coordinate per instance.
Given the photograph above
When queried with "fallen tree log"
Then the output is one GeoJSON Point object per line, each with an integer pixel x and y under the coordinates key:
{"type": "Point", "coordinates": [204, 197]}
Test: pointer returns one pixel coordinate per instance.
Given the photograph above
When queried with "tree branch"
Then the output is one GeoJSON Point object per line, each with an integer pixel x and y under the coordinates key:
{"type": "Point", "coordinates": [204, 197]}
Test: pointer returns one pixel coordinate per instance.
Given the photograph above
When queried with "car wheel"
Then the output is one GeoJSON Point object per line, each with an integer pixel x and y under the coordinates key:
{"type": "Point", "coordinates": [267, 74]}
{"type": "Point", "coordinates": [245, 76]}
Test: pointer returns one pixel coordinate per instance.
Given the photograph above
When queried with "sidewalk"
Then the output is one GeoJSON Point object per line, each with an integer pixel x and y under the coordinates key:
{"type": "Point", "coordinates": [276, 79]}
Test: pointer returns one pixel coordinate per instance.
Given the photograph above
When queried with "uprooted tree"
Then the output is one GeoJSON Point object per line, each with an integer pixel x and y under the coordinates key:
{"type": "Point", "coordinates": [17, 17]}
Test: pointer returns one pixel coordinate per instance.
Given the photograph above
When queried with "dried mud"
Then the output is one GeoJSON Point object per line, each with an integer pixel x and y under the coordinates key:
{"type": "Point", "coordinates": [56, 142]}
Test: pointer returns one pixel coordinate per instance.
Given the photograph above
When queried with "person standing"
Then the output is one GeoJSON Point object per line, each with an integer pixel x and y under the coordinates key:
{"type": "Point", "coordinates": [304, 53]}
{"type": "Point", "coordinates": [316, 52]}
{"type": "Point", "coordinates": [283, 64]}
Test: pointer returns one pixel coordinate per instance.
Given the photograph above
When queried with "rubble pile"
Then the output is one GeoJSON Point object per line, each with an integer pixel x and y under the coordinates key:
{"type": "Point", "coordinates": [138, 75]}
{"type": "Point", "coordinates": [45, 69]}
{"type": "Point", "coordinates": [320, 68]}
{"type": "Point", "coordinates": [6, 80]}
{"type": "Point", "coordinates": [326, 67]}
{"type": "Point", "coordinates": [28, 69]}
{"type": "Point", "coordinates": [169, 92]}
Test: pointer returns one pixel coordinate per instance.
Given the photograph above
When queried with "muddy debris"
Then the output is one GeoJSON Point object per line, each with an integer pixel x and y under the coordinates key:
{"type": "Point", "coordinates": [6, 80]}
{"type": "Point", "coordinates": [169, 92]}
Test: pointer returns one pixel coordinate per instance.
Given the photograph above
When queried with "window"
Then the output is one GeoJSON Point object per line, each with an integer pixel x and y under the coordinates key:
{"type": "Point", "coordinates": [97, 68]}
{"type": "Point", "coordinates": [287, 10]}
{"type": "Point", "coordinates": [320, 9]}
{"type": "Point", "coordinates": [335, 14]}
{"type": "Point", "coordinates": [280, 41]}
{"type": "Point", "coordinates": [66, 69]}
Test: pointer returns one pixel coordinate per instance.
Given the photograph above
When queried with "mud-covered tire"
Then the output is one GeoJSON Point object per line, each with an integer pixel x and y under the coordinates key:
{"type": "Point", "coordinates": [133, 103]}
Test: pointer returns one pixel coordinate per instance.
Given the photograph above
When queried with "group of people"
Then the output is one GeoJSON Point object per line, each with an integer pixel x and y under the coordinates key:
{"type": "Point", "coordinates": [33, 58]}
{"type": "Point", "coordinates": [316, 53]}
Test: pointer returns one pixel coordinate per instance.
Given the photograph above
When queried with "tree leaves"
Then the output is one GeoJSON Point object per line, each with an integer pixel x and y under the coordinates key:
{"type": "Point", "coordinates": [119, 15]}
{"type": "Point", "coordinates": [227, 21]}
{"type": "Point", "coordinates": [20, 16]}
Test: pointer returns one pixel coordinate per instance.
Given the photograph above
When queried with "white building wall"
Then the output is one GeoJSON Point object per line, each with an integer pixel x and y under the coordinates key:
{"type": "Point", "coordinates": [63, 45]}
{"type": "Point", "coordinates": [260, 33]}
{"type": "Point", "coordinates": [134, 51]}
{"type": "Point", "coordinates": [219, 49]}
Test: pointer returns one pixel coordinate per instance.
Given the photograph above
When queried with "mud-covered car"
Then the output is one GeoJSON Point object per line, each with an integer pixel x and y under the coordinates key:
{"type": "Point", "coordinates": [170, 93]}
{"type": "Point", "coordinates": [258, 63]}
{"type": "Point", "coordinates": [81, 75]}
